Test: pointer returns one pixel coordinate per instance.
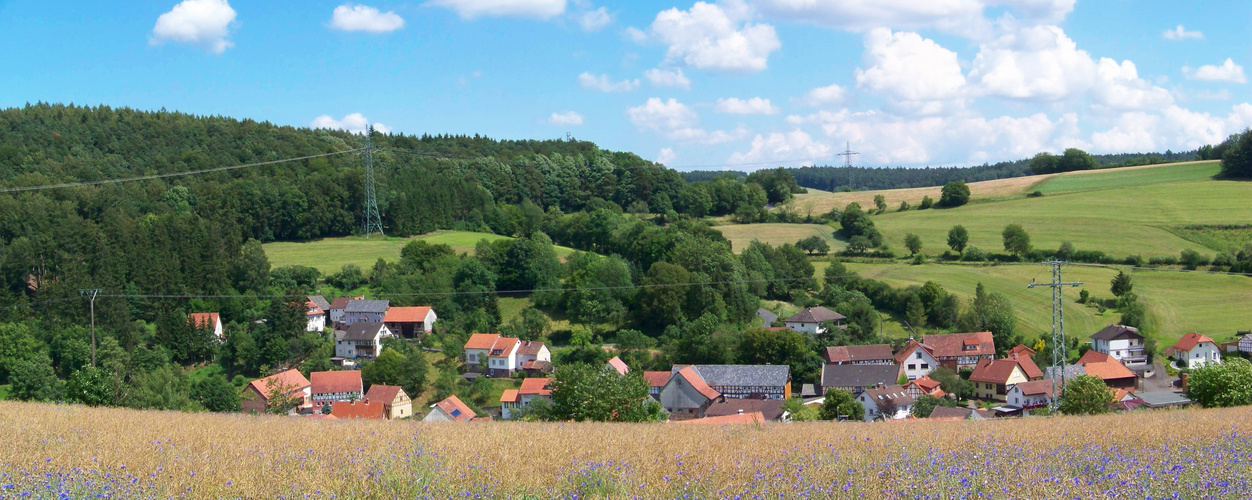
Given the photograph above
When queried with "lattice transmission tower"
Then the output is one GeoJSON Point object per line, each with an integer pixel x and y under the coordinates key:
{"type": "Point", "coordinates": [1059, 351]}
{"type": "Point", "coordinates": [373, 221]}
{"type": "Point", "coordinates": [847, 161]}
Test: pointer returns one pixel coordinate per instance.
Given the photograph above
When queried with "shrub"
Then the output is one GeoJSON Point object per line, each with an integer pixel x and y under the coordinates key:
{"type": "Point", "coordinates": [904, 206]}
{"type": "Point", "coordinates": [975, 254]}
{"type": "Point", "coordinates": [919, 259]}
{"type": "Point", "coordinates": [1167, 260]}
{"type": "Point", "coordinates": [926, 203]}
{"type": "Point", "coordinates": [1035, 194]}
{"type": "Point", "coordinates": [954, 194]}
{"type": "Point", "coordinates": [1133, 260]}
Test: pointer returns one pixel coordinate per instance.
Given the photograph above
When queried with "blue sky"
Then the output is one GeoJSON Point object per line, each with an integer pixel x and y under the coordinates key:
{"type": "Point", "coordinates": [736, 84]}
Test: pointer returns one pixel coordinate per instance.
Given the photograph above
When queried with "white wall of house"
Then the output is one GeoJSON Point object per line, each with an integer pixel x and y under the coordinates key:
{"type": "Point", "coordinates": [324, 398]}
{"type": "Point", "coordinates": [810, 328]}
{"type": "Point", "coordinates": [350, 318]}
{"type": "Point", "coordinates": [919, 364]}
{"type": "Point", "coordinates": [504, 362]}
{"type": "Point", "coordinates": [336, 315]}
{"type": "Point", "coordinates": [543, 355]}
{"type": "Point", "coordinates": [428, 324]}
{"type": "Point", "coordinates": [872, 413]}
{"type": "Point", "coordinates": [475, 357]}
{"type": "Point", "coordinates": [1119, 349]}
{"type": "Point", "coordinates": [1202, 354]}
{"type": "Point", "coordinates": [508, 410]}
{"type": "Point", "coordinates": [437, 415]}
{"type": "Point", "coordinates": [316, 322]}
{"type": "Point", "coordinates": [1016, 398]}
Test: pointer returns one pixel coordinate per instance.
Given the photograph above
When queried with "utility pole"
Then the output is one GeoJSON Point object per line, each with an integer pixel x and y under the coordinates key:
{"type": "Point", "coordinates": [373, 221]}
{"type": "Point", "coordinates": [1059, 350]}
{"type": "Point", "coordinates": [92, 293]}
{"type": "Point", "coordinates": [847, 161]}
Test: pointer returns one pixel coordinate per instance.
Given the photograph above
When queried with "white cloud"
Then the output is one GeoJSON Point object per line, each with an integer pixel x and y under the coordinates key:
{"type": "Point", "coordinates": [636, 35]}
{"type": "Point", "coordinates": [715, 37]}
{"type": "Point", "coordinates": [753, 106]}
{"type": "Point", "coordinates": [199, 22]}
{"type": "Point", "coordinates": [667, 78]}
{"type": "Point", "coordinates": [666, 156]}
{"type": "Point", "coordinates": [602, 83]}
{"type": "Point", "coordinates": [896, 62]}
{"type": "Point", "coordinates": [779, 146]}
{"type": "Point", "coordinates": [678, 122]}
{"type": "Point", "coordinates": [566, 118]}
{"type": "Point", "coordinates": [1173, 128]}
{"type": "Point", "coordinates": [1118, 86]}
{"type": "Point", "coordinates": [348, 17]}
{"type": "Point", "coordinates": [532, 9]}
{"type": "Point", "coordinates": [822, 96]}
{"type": "Point", "coordinates": [1227, 72]}
{"type": "Point", "coordinates": [355, 123]}
{"type": "Point", "coordinates": [1035, 63]}
{"type": "Point", "coordinates": [1219, 95]}
{"type": "Point", "coordinates": [962, 17]}
{"type": "Point", "coordinates": [1180, 33]}
{"type": "Point", "coordinates": [595, 20]}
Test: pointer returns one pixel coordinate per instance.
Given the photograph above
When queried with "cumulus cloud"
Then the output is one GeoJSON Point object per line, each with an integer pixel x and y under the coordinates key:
{"type": "Point", "coordinates": [779, 146]}
{"type": "Point", "coordinates": [1227, 72]}
{"type": "Point", "coordinates": [602, 83]}
{"type": "Point", "coordinates": [1118, 86]}
{"type": "Point", "coordinates": [667, 78]}
{"type": "Point", "coordinates": [566, 118]}
{"type": "Point", "coordinates": [531, 9]}
{"type": "Point", "coordinates": [1173, 128]}
{"type": "Point", "coordinates": [895, 62]}
{"type": "Point", "coordinates": [823, 96]}
{"type": "Point", "coordinates": [205, 23]}
{"type": "Point", "coordinates": [1036, 63]}
{"type": "Point", "coordinates": [1180, 33]}
{"type": "Point", "coordinates": [962, 17]}
{"type": "Point", "coordinates": [595, 20]}
{"type": "Point", "coordinates": [355, 123]}
{"type": "Point", "coordinates": [716, 37]}
{"type": "Point", "coordinates": [349, 17]}
{"type": "Point", "coordinates": [752, 106]}
{"type": "Point", "coordinates": [678, 122]}
{"type": "Point", "coordinates": [666, 156]}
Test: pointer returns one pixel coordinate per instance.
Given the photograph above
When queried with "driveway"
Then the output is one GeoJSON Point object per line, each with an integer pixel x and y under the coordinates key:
{"type": "Point", "coordinates": [1159, 381]}
{"type": "Point", "coordinates": [769, 317]}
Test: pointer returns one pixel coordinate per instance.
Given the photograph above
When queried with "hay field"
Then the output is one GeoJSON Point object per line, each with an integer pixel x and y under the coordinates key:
{"type": "Point", "coordinates": [328, 255]}
{"type": "Point", "coordinates": [740, 235]}
{"type": "Point", "coordinates": [821, 202]}
{"type": "Point", "coordinates": [63, 451]}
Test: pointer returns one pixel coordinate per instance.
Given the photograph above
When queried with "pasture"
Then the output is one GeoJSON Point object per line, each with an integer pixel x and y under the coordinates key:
{"type": "Point", "coordinates": [60, 451]}
{"type": "Point", "coordinates": [328, 255]}
{"type": "Point", "coordinates": [740, 235]}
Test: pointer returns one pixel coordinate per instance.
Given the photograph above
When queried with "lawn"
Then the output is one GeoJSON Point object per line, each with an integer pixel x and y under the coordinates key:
{"type": "Point", "coordinates": [740, 235]}
{"type": "Point", "coordinates": [1130, 177]}
{"type": "Point", "coordinates": [1211, 304]}
{"type": "Point", "coordinates": [328, 255]}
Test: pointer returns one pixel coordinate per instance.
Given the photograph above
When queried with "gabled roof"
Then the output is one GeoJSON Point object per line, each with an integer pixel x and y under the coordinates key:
{"type": "Point", "coordinates": [814, 315]}
{"type": "Point", "coordinates": [1036, 388]}
{"type": "Point", "coordinates": [530, 348]}
{"type": "Point", "coordinates": [482, 340]}
{"type": "Point", "coordinates": [855, 353]}
{"type": "Point", "coordinates": [290, 378]}
{"type": "Point", "coordinates": [538, 365]}
{"type": "Point", "coordinates": [1020, 350]}
{"type": "Point", "coordinates": [1189, 341]}
{"type": "Point", "coordinates": [957, 413]}
{"type": "Point", "coordinates": [357, 409]}
{"type": "Point", "coordinates": [311, 309]}
{"type": "Point", "coordinates": [618, 365]}
{"type": "Point", "coordinates": [925, 384]}
{"type": "Point", "coordinates": [909, 347]}
{"type": "Point", "coordinates": [203, 320]}
{"type": "Point", "coordinates": [503, 347]}
{"type": "Point", "coordinates": [1108, 370]}
{"type": "Point", "coordinates": [771, 409]}
{"type": "Point", "coordinates": [995, 371]}
{"type": "Point", "coordinates": [340, 303]}
{"type": "Point", "coordinates": [1117, 332]}
{"type": "Point", "coordinates": [364, 330]}
{"type": "Point", "coordinates": [509, 396]}
{"type": "Point", "coordinates": [536, 387]}
{"type": "Point", "coordinates": [367, 306]}
{"type": "Point", "coordinates": [859, 375]}
{"type": "Point", "coordinates": [321, 302]}
{"type": "Point", "coordinates": [406, 314]}
{"type": "Point", "coordinates": [336, 381]}
{"type": "Point", "coordinates": [953, 345]}
{"type": "Point", "coordinates": [744, 418]}
{"type": "Point", "coordinates": [455, 409]}
{"type": "Point", "coordinates": [657, 379]}
{"type": "Point", "coordinates": [384, 393]}
{"type": "Point", "coordinates": [893, 392]}
{"type": "Point", "coordinates": [742, 375]}
{"type": "Point", "coordinates": [1029, 367]}
{"type": "Point", "coordinates": [1093, 356]}
{"type": "Point", "coordinates": [697, 382]}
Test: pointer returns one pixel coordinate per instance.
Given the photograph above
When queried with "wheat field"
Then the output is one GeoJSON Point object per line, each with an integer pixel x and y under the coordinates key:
{"type": "Point", "coordinates": [60, 451]}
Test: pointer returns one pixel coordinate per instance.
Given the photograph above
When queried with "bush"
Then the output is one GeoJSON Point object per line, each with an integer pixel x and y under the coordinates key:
{"type": "Point", "coordinates": [954, 194]}
{"type": "Point", "coordinates": [919, 259]}
{"type": "Point", "coordinates": [1035, 194]}
{"type": "Point", "coordinates": [1167, 260]}
{"type": "Point", "coordinates": [926, 203]}
{"type": "Point", "coordinates": [1192, 259]}
{"type": "Point", "coordinates": [975, 254]}
{"type": "Point", "coordinates": [1133, 260]}
{"type": "Point", "coordinates": [904, 206]}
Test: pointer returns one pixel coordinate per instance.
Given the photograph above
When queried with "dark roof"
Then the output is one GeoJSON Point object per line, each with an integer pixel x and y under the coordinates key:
{"type": "Point", "coordinates": [1070, 371]}
{"type": "Point", "coordinates": [365, 330]}
{"type": "Point", "coordinates": [320, 301]}
{"type": "Point", "coordinates": [854, 353]}
{"type": "Point", "coordinates": [1034, 387]}
{"type": "Point", "coordinates": [771, 409]}
{"type": "Point", "coordinates": [529, 348]}
{"type": "Point", "coordinates": [815, 315]}
{"type": "Point", "coordinates": [742, 375]}
{"type": "Point", "coordinates": [808, 391]}
{"type": "Point", "coordinates": [1116, 332]}
{"type": "Point", "coordinates": [367, 306]}
{"type": "Point", "coordinates": [340, 303]}
{"type": "Point", "coordinates": [893, 392]}
{"type": "Point", "coordinates": [1162, 398]}
{"type": "Point", "coordinates": [859, 375]}
{"type": "Point", "coordinates": [957, 412]}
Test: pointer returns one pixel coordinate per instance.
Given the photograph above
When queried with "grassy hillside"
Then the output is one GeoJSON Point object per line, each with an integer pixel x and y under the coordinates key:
{"type": "Point", "coordinates": [1214, 305]}
{"type": "Point", "coordinates": [740, 235]}
{"type": "Point", "coordinates": [330, 254]}
{"type": "Point", "coordinates": [820, 202]}
{"type": "Point", "coordinates": [78, 451]}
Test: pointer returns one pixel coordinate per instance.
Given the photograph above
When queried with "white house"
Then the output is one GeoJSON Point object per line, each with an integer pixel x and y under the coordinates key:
{"type": "Point", "coordinates": [528, 351]}
{"type": "Point", "coordinates": [372, 311]}
{"type": "Point", "coordinates": [1123, 343]}
{"type": "Point", "coordinates": [1195, 350]}
{"type": "Point", "coordinates": [361, 341]}
{"type": "Point", "coordinates": [208, 321]}
{"type": "Point", "coordinates": [514, 400]}
{"type": "Point", "coordinates": [810, 320]}
{"type": "Point", "coordinates": [409, 322]}
{"type": "Point", "coordinates": [451, 409]}
{"type": "Point", "coordinates": [315, 317]}
{"type": "Point", "coordinates": [878, 400]}
{"type": "Point", "coordinates": [337, 307]}
{"type": "Point", "coordinates": [1032, 394]}
{"type": "Point", "coordinates": [329, 387]}
{"type": "Point", "coordinates": [496, 355]}
{"type": "Point", "coordinates": [916, 359]}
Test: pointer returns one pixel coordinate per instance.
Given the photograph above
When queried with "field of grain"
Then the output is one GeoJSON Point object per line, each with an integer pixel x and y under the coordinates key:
{"type": "Point", "coordinates": [740, 235]}
{"type": "Point", "coordinates": [330, 254]}
{"type": "Point", "coordinates": [820, 202]}
{"type": "Point", "coordinates": [58, 451]}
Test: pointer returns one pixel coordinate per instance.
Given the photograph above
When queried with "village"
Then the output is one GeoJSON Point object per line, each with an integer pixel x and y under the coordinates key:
{"type": "Point", "coordinates": [885, 382]}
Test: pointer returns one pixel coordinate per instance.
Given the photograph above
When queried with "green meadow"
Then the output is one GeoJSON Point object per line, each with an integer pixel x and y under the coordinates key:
{"type": "Point", "coordinates": [740, 235]}
{"type": "Point", "coordinates": [330, 254]}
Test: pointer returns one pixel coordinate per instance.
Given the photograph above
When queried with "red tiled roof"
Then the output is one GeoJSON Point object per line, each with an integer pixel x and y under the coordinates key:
{"type": "Point", "coordinates": [503, 347]}
{"type": "Point", "coordinates": [529, 348]}
{"type": "Point", "coordinates": [953, 344]}
{"type": "Point", "coordinates": [536, 386]}
{"type": "Point", "coordinates": [926, 384]}
{"type": "Point", "coordinates": [357, 409]}
{"type": "Point", "coordinates": [536, 364]}
{"type": "Point", "coordinates": [406, 314]}
{"type": "Point", "coordinates": [908, 348]}
{"type": "Point", "coordinates": [509, 396]}
{"type": "Point", "coordinates": [290, 378]}
{"type": "Point", "coordinates": [336, 381]}
{"type": "Point", "coordinates": [1109, 370]}
{"type": "Point", "coordinates": [1189, 341]}
{"type": "Point", "coordinates": [1036, 387]}
{"type": "Point", "coordinates": [482, 340]}
{"type": "Point", "coordinates": [1029, 367]}
{"type": "Point", "coordinates": [203, 320]}
{"type": "Point", "coordinates": [692, 377]}
{"type": "Point", "coordinates": [743, 418]}
{"type": "Point", "coordinates": [619, 365]}
{"type": "Point", "coordinates": [1093, 356]}
{"type": "Point", "coordinates": [657, 379]}
{"type": "Point", "coordinates": [385, 394]}
{"type": "Point", "coordinates": [454, 408]}
{"type": "Point", "coordinates": [1021, 350]}
{"type": "Point", "coordinates": [319, 416]}
{"type": "Point", "coordinates": [340, 303]}
{"type": "Point", "coordinates": [995, 371]}
{"type": "Point", "coordinates": [851, 353]}
{"type": "Point", "coordinates": [312, 309]}
{"type": "Point", "coordinates": [771, 409]}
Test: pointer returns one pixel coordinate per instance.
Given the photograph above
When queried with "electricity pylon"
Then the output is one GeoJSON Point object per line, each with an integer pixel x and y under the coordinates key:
{"type": "Point", "coordinates": [373, 221]}
{"type": "Point", "coordinates": [1059, 351]}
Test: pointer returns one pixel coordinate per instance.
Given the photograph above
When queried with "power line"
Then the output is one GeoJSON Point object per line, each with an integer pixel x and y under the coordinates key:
{"type": "Point", "coordinates": [771, 162]}
{"type": "Point", "coordinates": [171, 174]}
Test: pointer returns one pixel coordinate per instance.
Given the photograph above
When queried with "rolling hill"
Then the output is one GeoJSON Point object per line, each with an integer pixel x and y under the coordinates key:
{"type": "Point", "coordinates": [328, 255]}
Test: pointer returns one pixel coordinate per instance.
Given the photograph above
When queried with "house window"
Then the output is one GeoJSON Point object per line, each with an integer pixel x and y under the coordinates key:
{"type": "Point", "coordinates": [925, 366]}
{"type": "Point", "coordinates": [912, 367]}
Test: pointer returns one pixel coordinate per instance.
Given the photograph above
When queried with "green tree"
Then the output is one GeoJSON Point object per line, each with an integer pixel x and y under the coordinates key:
{"type": "Point", "coordinates": [1121, 284]}
{"type": "Point", "coordinates": [913, 242]}
{"type": "Point", "coordinates": [880, 202]}
{"type": "Point", "coordinates": [954, 194]}
{"type": "Point", "coordinates": [252, 268]}
{"type": "Point", "coordinates": [800, 412]}
{"type": "Point", "coordinates": [952, 383]}
{"type": "Point", "coordinates": [840, 403]}
{"type": "Point", "coordinates": [915, 312]}
{"type": "Point", "coordinates": [1066, 251]}
{"type": "Point", "coordinates": [389, 368]}
{"type": "Point", "coordinates": [784, 347]}
{"type": "Point", "coordinates": [34, 379]}
{"type": "Point", "coordinates": [1044, 163]}
{"type": "Point", "coordinates": [813, 244]}
{"type": "Point", "coordinates": [1086, 395]}
{"type": "Point", "coordinates": [926, 404]}
{"type": "Point", "coordinates": [958, 238]}
{"type": "Point", "coordinates": [1237, 159]}
{"type": "Point", "coordinates": [92, 386]}
{"type": "Point", "coordinates": [991, 312]}
{"type": "Point", "coordinates": [1076, 159]}
{"type": "Point", "coordinates": [926, 203]}
{"type": "Point", "coordinates": [215, 393]}
{"type": "Point", "coordinates": [1016, 240]}
{"type": "Point", "coordinates": [1228, 383]}
{"type": "Point", "coordinates": [582, 392]}
{"type": "Point", "coordinates": [664, 295]}
{"type": "Point", "coordinates": [350, 276]}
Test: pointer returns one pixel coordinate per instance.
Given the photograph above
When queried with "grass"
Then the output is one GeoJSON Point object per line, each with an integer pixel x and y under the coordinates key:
{"type": "Point", "coordinates": [1221, 238]}
{"type": "Point", "coordinates": [77, 451]}
{"type": "Point", "coordinates": [328, 255]}
{"type": "Point", "coordinates": [1211, 304]}
{"type": "Point", "coordinates": [4, 392]}
{"type": "Point", "coordinates": [1130, 177]}
{"type": "Point", "coordinates": [740, 235]}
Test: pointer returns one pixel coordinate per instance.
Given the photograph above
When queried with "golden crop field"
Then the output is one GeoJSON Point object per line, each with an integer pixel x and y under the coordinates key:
{"type": "Point", "coordinates": [59, 451]}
